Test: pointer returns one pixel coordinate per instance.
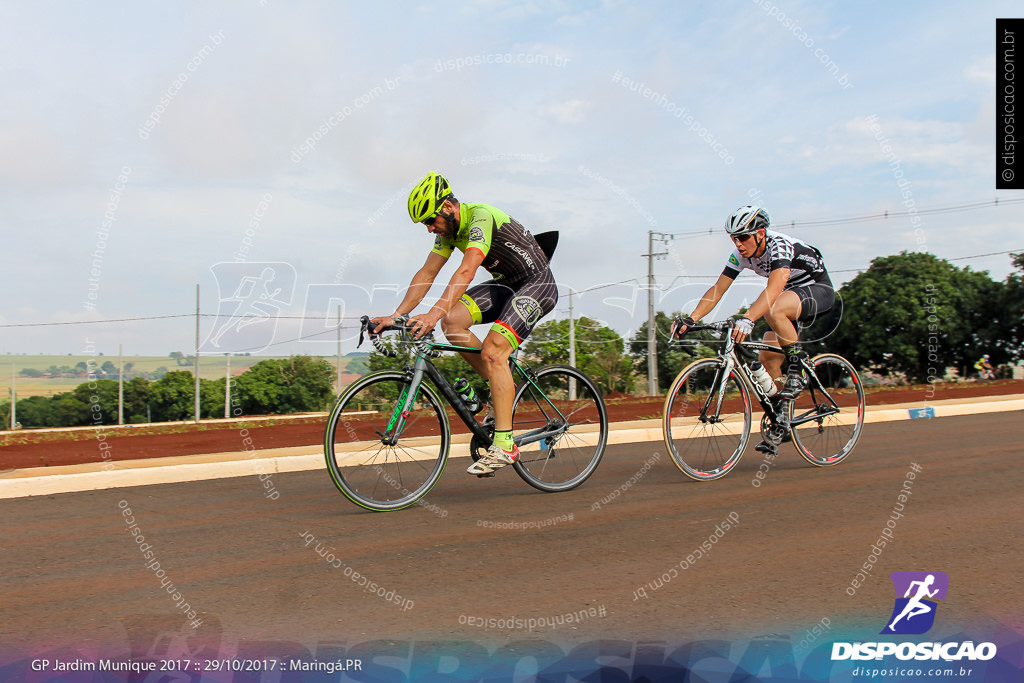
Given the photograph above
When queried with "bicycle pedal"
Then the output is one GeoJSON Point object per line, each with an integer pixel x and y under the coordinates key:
{"type": "Point", "coordinates": [486, 474]}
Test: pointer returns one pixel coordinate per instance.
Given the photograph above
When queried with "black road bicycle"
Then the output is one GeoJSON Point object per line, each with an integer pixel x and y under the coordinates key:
{"type": "Point", "coordinates": [707, 411]}
{"type": "Point", "coordinates": [388, 437]}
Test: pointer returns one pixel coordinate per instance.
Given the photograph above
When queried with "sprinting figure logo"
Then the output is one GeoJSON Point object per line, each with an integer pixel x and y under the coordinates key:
{"type": "Point", "coordinates": [914, 612]}
{"type": "Point", "coordinates": [252, 296]}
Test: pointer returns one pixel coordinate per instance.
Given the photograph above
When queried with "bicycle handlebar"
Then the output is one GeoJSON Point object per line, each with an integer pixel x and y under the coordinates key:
{"type": "Point", "coordinates": [423, 344]}
{"type": "Point", "coordinates": [720, 327]}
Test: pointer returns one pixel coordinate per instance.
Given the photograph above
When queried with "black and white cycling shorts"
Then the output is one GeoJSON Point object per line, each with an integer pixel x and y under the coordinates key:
{"type": "Point", "coordinates": [514, 311]}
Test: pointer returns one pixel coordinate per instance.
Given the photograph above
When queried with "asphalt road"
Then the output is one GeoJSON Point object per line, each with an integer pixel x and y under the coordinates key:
{"type": "Point", "coordinates": [487, 556]}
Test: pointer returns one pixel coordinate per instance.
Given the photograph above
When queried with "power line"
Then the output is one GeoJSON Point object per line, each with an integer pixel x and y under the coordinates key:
{"type": "Point", "coordinates": [958, 258]}
{"type": "Point", "coordinates": [334, 328]}
{"type": "Point", "coordinates": [884, 215]}
{"type": "Point", "coordinates": [94, 322]}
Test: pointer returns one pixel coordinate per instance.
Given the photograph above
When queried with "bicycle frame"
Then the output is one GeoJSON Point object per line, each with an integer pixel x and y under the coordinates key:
{"type": "Point", "coordinates": [423, 367]}
{"type": "Point", "coordinates": [731, 359]}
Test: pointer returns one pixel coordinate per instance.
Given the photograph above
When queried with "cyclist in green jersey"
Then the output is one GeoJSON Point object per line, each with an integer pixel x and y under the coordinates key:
{"type": "Point", "coordinates": [521, 291]}
{"type": "Point", "coordinates": [984, 368]}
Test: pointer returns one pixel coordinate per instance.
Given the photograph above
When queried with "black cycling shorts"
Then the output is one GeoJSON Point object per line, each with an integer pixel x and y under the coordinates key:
{"type": "Point", "coordinates": [514, 312]}
{"type": "Point", "coordinates": [820, 311]}
{"type": "Point", "coordinates": [815, 299]}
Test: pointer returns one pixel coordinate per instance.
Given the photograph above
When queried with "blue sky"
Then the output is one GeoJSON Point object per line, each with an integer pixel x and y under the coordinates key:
{"type": "Point", "coordinates": [601, 120]}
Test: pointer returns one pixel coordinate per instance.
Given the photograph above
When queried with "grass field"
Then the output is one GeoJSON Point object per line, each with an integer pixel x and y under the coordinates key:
{"type": "Point", "coordinates": [209, 368]}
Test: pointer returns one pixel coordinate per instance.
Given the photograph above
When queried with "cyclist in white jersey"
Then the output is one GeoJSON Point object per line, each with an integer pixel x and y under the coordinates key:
{"type": "Point", "coordinates": [798, 290]}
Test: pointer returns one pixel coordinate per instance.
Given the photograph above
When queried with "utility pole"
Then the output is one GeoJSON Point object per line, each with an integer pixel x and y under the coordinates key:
{"type": "Point", "coordinates": [197, 355]}
{"type": "Point", "coordinates": [227, 385]}
{"type": "Point", "coordinates": [120, 384]}
{"type": "Point", "coordinates": [14, 397]}
{"type": "Point", "coordinates": [652, 345]}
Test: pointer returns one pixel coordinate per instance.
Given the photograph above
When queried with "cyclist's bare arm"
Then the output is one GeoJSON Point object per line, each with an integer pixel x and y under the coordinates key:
{"type": "Point", "coordinates": [418, 289]}
{"type": "Point", "coordinates": [777, 280]}
{"type": "Point", "coordinates": [711, 297]}
{"type": "Point", "coordinates": [423, 323]}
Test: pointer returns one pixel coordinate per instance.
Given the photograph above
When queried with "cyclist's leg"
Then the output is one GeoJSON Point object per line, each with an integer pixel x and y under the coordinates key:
{"type": "Point", "coordinates": [514, 322]}
{"type": "Point", "coordinates": [480, 304]}
{"type": "Point", "coordinates": [780, 317]}
{"type": "Point", "coordinates": [494, 355]}
{"type": "Point", "coordinates": [772, 362]}
{"type": "Point", "coordinates": [804, 305]}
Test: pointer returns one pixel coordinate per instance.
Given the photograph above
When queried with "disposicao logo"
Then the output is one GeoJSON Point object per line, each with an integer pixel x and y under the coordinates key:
{"type": "Point", "coordinates": [913, 613]}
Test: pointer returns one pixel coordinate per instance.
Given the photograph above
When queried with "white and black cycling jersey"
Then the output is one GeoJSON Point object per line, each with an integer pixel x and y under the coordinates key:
{"type": "Point", "coordinates": [805, 263]}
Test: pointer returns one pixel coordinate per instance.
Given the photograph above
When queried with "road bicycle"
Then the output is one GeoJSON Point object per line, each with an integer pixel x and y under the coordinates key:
{"type": "Point", "coordinates": [707, 413]}
{"type": "Point", "coordinates": [388, 437]}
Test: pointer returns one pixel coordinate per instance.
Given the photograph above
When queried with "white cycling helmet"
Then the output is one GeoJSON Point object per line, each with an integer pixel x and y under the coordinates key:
{"type": "Point", "coordinates": [746, 220]}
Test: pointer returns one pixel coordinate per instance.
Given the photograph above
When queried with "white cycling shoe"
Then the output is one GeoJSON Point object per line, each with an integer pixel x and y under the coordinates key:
{"type": "Point", "coordinates": [493, 459]}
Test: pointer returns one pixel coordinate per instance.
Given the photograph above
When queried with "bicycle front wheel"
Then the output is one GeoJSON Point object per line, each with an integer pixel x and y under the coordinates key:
{"type": "Point", "coordinates": [706, 420]}
{"type": "Point", "coordinates": [831, 420]}
{"type": "Point", "coordinates": [565, 406]}
{"type": "Point", "coordinates": [372, 468]}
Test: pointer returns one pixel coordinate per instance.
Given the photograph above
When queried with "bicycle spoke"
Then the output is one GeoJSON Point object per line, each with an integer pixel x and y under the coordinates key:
{"type": "Point", "coordinates": [706, 425]}
{"type": "Point", "coordinates": [577, 428]}
{"type": "Point", "coordinates": [830, 438]}
{"type": "Point", "coordinates": [371, 473]}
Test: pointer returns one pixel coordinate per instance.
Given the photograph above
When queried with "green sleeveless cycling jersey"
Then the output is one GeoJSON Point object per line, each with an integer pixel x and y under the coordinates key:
{"type": "Point", "coordinates": [511, 255]}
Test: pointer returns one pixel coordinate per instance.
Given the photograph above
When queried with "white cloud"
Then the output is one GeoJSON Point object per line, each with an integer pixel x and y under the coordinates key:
{"type": "Point", "coordinates": [571, 111]}
{"type": "Point", "coordinates": [78, 84]}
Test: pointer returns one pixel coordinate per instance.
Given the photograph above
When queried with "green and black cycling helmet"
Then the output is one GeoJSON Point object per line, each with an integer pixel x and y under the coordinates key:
{"type": "Point", "coordinates": [747, 220]}
{"type": "Point", "coordinates": [426, 198]}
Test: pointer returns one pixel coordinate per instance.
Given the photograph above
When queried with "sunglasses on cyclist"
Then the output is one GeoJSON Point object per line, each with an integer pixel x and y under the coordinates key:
{"type": "Point", "coordinates": [742, 238]}
{"type": "Point", "coordinates": [429, 222]}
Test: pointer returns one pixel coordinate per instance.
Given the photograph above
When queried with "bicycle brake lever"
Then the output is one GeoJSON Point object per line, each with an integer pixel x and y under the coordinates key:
{"type": "Point", "coordinates": [365, 320]}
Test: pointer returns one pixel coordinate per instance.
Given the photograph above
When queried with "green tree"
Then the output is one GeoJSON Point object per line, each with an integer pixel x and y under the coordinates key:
{"type": "Point", "coordinates": [599, 351]}
{"type": "Point", "coordinates": [1010, 314]}
{"type": "Point", "coordinates": [34, 412]}
{"type": "Point", "coordinates": [286, 385]}
{"type": "Point", "coordinates": [915, 314]}
{"type": "Point", "coordinates": [99, 398]}
{"type": "Point", "coordinates": [673, 356]}
{"type": "Point", "coordinates": [211, 397]}
{"type": "Point", "coordinates": [137, 395]}
{"type": "Point", "coordinates": [358, 363]}
{"type": "Point", "coordinates": [69, 411]}
{"type": "Point", "coordinates": [172, 397]}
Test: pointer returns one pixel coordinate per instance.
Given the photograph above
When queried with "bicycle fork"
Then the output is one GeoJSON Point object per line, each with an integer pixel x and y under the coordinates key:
{"type": "Point", "coordinates": [403, 408]}
{"type": "Point", "coordinates": [724, 371]}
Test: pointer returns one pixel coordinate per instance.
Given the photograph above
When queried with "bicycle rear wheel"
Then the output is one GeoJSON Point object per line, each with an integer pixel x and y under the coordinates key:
{"type": "Point", "coordinates": [831, 436]}
{"type": "Point", "coordinates": [562, 400]}
{"type": "Point", "coordinates": [370, 472]}
{"type": "Point", "coordinates": [706, 428]}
